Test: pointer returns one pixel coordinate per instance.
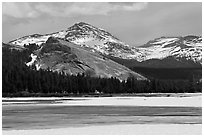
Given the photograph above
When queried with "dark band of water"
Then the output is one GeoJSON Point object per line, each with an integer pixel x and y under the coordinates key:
{"type": "Point", "coordinates": [22, 117]}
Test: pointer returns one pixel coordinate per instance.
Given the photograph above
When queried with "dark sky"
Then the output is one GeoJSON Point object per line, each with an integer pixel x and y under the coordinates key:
{"type": "Point", "coordinates": [133, 23]}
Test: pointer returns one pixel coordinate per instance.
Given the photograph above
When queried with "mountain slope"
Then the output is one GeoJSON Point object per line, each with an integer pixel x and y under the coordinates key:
{"type": "Point", "coordinates": [62, 56]}
{"type": "Point", "coordinates": [81, 34]}
{"type": "Point", "coordinates": [189, 47]}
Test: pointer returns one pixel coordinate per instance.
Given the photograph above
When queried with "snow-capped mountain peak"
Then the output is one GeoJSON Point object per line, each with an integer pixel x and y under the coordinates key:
{"type": "Point", "coordinates": [101, 41]}
{"type": "Point", "coordinates": [82, 32]}
{"type": "Point", "coordinates": [188, 47]}
{"type": "Point", "coordinates": [85, 35]}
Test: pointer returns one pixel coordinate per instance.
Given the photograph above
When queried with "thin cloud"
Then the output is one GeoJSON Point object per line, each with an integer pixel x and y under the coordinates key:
{"type": "Point", "coordinates": [129, 6]}
{"type": "Point", "coordinates": [19, 10]}
{"type": "Point", "coordinates": [34, 10]}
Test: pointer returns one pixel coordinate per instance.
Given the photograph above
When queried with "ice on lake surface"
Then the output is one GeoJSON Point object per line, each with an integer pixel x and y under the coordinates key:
{"type": "Point", "coordinates": [69, 114]}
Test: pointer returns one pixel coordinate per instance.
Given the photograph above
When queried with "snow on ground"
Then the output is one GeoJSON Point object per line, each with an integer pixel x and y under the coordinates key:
{"type": "Point", "coordinates": [129, 129]}
{"type": "Point", "coordinates": [188, 101]}
{"type": "Point", "coordinates": [138, 101]}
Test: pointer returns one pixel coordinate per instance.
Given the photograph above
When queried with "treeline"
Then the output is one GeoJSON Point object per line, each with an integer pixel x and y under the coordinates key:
{"type": "Point", "coordinates": [168, 68]}
{"type": "Point", "coordinates": [170, 73]}
{"type": "Point", "coordinates": [20, 80]}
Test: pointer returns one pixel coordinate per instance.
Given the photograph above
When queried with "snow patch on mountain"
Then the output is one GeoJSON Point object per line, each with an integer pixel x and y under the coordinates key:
{"type": "Point", "coordinates": [30, 40]}
{"type": "Point", "coordinates": [164, 41]}
{"type": "Point", "coordinates": [34, 57]}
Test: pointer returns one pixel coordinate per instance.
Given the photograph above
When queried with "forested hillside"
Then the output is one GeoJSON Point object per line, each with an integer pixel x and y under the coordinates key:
{"type": "Point", "coordinates": [21, 80]}
{"type": "Point", "coordinates": [168, 68]}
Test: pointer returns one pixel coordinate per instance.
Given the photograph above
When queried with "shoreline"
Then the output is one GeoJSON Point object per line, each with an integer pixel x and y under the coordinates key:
{"type": "Point", "coordinates": [125, 129]}
{"type": "Point", "coordinates": [93, 95]}
{"type": "Point", "coordinates": [176, 100]}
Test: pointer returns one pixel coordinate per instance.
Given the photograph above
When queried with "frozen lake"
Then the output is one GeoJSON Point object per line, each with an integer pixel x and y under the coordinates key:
{"type": "Point", "coordinates": [36, 116]}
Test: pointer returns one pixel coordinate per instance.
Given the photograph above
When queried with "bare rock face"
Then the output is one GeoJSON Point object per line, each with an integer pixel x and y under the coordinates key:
{"type": "Point", "coordinates": [62, 56]}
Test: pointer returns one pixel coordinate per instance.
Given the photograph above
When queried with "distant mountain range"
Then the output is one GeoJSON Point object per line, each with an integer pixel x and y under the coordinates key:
{"type": "Point", "coordinates": [83, 47]}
